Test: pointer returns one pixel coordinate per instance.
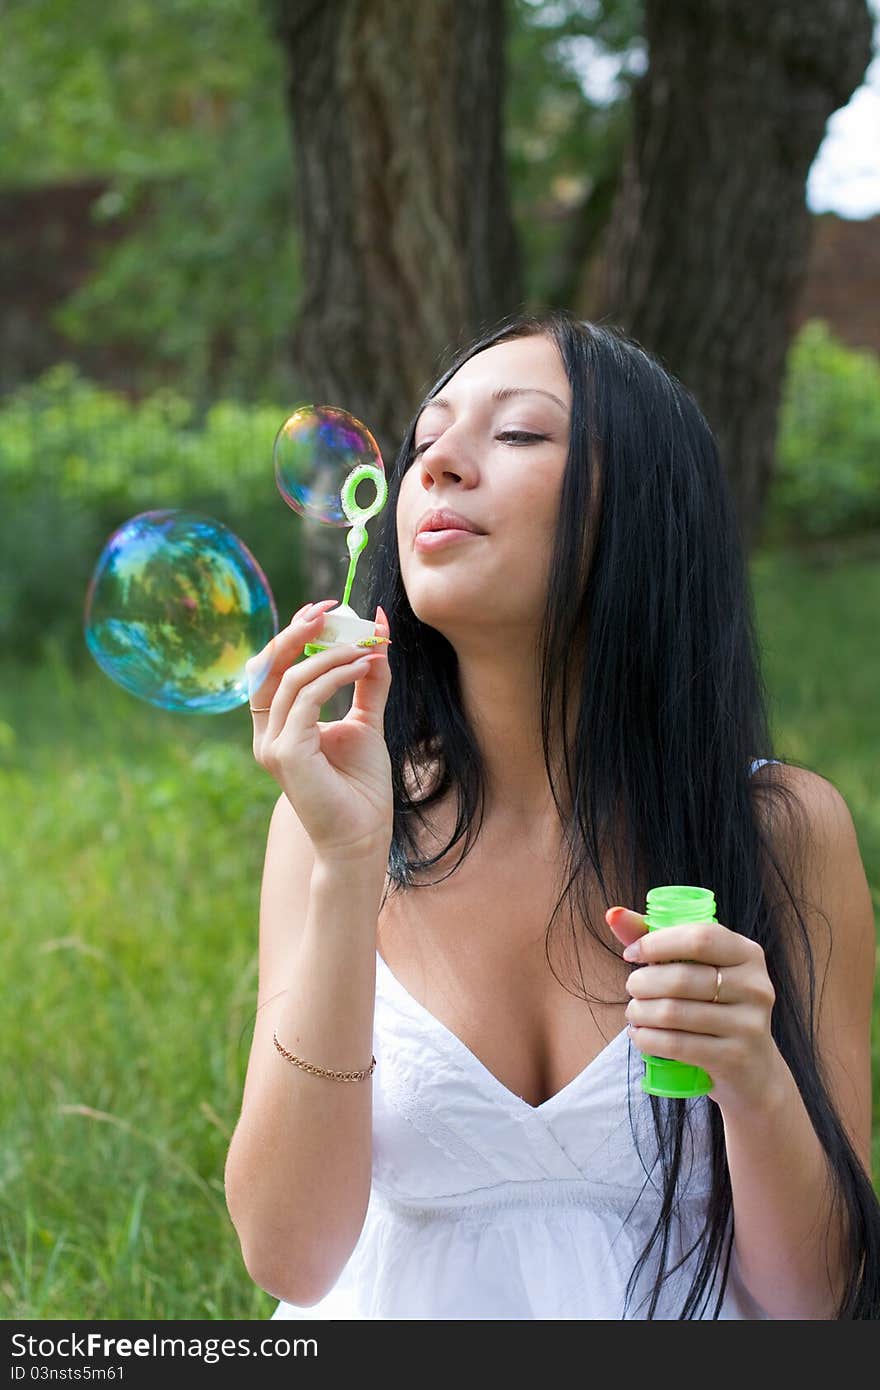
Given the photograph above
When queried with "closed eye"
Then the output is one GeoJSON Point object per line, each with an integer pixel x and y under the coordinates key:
{"type": "Point", "coordinates": [515, 436]}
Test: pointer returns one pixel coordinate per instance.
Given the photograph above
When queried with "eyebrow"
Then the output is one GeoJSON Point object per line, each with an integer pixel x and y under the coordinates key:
{"type": "Point", "coordinates": [504, 393]}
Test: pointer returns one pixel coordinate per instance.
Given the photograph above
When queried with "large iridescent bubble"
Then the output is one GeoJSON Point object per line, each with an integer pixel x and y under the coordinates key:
{"type": "Point", "coordinates": [316, 450]}
{"type": "Point", "coordinates": [176, 606]}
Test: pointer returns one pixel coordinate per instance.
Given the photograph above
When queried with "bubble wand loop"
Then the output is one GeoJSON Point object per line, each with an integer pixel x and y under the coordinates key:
{"type": "Point", "coordinates": [357, 537]}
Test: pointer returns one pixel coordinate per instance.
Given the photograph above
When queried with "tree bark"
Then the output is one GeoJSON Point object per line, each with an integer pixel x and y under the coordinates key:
{"type": "Point", "coordinates": [707, 244]}
{"type": "Point", "coordinates": [584, 229]}
{"type": "Point", "coordinates": [406, 239]}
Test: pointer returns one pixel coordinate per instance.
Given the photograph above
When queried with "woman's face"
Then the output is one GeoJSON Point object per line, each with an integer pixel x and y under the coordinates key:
{"type": "Point", "coordinates": [492, 447]}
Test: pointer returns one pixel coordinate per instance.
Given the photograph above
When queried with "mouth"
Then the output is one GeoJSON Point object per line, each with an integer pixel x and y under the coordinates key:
{"type": "Point", "coordinates": [428, 540]}
{"type": "Point", "coordinates": [445, 519]}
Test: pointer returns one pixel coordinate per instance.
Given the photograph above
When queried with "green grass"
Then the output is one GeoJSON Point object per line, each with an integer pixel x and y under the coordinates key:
{"type": "Point", "coordinates": [133, 843]}
{"type": "Point", "coordinates": [132, 847]}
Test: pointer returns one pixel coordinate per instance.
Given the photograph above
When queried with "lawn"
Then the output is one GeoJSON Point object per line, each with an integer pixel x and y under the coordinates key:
{"type": "Point", "coordinates": [133, 844]}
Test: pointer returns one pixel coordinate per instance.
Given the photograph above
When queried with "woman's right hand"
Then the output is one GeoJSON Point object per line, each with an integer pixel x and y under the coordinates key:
{"type": "Point", "coordinates": [336, 775]}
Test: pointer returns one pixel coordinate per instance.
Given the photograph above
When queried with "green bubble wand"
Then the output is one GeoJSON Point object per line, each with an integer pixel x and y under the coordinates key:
{"type": "Point", "coordinates": [342, 624]}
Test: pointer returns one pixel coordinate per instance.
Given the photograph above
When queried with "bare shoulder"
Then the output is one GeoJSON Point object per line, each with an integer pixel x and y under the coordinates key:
{"type": "Point", "coordinates": [813, 831]}
{"type": "Point", "coordinates": [816, 843]}
{"type": "Point", "coordinates": [810, 815]}
{"type": "Point", "coordinates": [812, 823]}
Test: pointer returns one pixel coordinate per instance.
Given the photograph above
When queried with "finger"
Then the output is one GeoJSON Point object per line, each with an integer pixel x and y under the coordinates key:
{"type": "Point", "coordinates": [628, 926]}
{"type": "Point", "coordinates": [358, 671]}
{"type": "Point", "coordinates": [708, 942]}
{"type": "Point", "coordinates": [308, 685]}
{"type": "Point", "coordinates": [678, 1016]}
{"type": "Point", "coordinates": [283, 646]}
{"type": "Point", "coordinates": [371, 690]}
{"type": "Point", "coordinates": [674, 980]}
{"type": "Point", "coordinates": [282, 650]}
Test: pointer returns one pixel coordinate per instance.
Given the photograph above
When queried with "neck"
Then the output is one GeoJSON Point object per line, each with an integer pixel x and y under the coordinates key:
{"type": "Point", "coordinates": [500, 697]}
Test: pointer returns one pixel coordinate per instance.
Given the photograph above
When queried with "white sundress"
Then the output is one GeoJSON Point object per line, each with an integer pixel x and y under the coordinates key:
{"type": "Point", "coordinates": [484, 1207]}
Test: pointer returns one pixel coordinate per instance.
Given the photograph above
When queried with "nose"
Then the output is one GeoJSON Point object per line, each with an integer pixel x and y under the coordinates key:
{"type": "Point", "coordinates": [447, 459]}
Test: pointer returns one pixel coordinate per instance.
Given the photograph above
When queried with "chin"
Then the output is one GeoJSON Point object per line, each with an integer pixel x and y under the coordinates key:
{"type": "Point", "coordinates": [438, 615]}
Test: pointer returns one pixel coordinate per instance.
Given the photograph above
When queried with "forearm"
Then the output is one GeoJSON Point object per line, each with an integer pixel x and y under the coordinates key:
{"type": "Point", "coordinates": [788, 1237]}
{"type": "Point", "coordinates": [299, 1166]}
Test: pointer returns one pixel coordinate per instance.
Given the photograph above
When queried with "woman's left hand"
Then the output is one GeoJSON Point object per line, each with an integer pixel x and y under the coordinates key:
{"type": "Point", "coordinates": [702, 995]}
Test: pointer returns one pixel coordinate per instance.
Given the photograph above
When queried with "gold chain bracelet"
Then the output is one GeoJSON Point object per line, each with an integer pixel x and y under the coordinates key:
{"type": "Point", "coordinates": [322, 1071]}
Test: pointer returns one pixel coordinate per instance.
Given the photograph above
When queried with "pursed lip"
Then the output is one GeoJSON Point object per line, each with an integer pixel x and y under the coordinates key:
{"type": "Point", "coordinates": [445, 519]}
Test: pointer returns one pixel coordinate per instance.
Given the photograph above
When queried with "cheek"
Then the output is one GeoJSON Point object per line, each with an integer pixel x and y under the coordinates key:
{"type": "Point", "coordinates": [538, 500]}
{"type": "Point", "coordinates": [405, 513]}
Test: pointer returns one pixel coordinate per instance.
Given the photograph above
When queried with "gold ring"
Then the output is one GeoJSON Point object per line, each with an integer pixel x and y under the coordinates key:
{"type": "Point", "coordinates": [715, 999]}
{"type": "Point", "coordinates": [259, 711]}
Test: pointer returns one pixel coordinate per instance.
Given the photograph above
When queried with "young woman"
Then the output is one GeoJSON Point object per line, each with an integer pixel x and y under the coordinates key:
{"type": "Point", "coordinates": [443, 1116]}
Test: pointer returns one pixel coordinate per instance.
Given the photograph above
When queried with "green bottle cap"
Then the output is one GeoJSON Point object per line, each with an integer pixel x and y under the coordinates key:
{"type": "Point", "coordinates": [667, 906]}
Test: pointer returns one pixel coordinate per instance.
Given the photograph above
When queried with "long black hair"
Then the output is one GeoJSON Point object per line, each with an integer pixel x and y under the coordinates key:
{"type": "Point", "coordinates": [649, 617]}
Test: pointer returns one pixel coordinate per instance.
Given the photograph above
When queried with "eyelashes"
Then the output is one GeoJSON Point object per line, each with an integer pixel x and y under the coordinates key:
{"type": "Point", "coordinates": [517, 436]}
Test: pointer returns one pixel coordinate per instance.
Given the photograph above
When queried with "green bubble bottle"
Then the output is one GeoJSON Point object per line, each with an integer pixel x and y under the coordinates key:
{"type": "Point", "coordinates": [668, 906]}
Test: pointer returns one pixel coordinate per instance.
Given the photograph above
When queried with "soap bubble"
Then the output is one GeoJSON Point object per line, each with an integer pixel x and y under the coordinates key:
{"type": "Point", "coordinates": [316, 449]}
{"type": "Point", "coordinates": [176, 606]}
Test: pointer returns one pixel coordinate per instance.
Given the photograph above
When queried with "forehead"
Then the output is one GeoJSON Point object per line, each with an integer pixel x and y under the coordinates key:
{"type": "Point", "coordinates": [518, 363]}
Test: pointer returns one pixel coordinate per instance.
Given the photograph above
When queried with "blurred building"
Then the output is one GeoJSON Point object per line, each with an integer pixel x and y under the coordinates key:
{"type": "Point", "coordinates": [843, 279]}
{"type": "Point", "coordinates": [51, 239]}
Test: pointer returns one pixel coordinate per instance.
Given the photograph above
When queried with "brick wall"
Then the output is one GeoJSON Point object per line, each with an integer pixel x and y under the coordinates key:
{"type": "Point", "coordinates": [843, 279]}
{"type": "Point", "coordinates": [50, 242]}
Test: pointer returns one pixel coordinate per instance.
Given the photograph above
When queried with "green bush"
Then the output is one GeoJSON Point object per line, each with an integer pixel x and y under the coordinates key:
{"type": "Point", "coordinates": [76, 461]}
{"type": "Point", "coordinates": [827, 480]}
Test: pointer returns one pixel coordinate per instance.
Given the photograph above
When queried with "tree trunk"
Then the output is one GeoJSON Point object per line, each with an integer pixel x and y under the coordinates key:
{"type": "Point", "coordinates": [707, 244]}
{"type": "Point", "coordinates": [406, 238]}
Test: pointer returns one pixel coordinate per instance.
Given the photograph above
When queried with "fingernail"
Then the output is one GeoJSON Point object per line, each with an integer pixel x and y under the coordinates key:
{"type": "Point", "coordinates": [614, 914]}
{"type": "Point", "coordinates": [633, 951]}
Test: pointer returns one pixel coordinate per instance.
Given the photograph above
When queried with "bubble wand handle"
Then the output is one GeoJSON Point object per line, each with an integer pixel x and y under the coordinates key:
{"type": "Point", "coordinates": [355, 540]}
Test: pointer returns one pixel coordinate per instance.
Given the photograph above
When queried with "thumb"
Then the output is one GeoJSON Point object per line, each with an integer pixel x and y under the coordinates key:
{"type": "Point", "coordinates": [371, 690]}
{"type": "Point", "coordinates": [627, 925]}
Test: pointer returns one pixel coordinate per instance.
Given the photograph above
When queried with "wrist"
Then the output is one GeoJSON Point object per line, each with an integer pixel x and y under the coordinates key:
{"type": "Point", "coordinates": [768, 1099]}
{"type": "Point", "coordinates": [360, 872]}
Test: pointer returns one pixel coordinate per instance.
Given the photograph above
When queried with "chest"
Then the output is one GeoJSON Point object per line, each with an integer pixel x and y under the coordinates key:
{"type": "Point", "coordinates": [473, 950]}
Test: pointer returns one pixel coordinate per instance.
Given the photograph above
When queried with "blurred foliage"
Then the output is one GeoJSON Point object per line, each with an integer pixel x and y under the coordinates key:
{"type": "Point", "coordinates": [130, 89]}
{"type": "Point", "coordinates": [205, 291]}
{"type": "Point", "coordinates": [560, 142]}
{"type": "Point", "coordinates": [77, 460]}
{"type": "Point", "coordinates": [827, 480]}
{"type": "Point", "coordinates": [181, 105]}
